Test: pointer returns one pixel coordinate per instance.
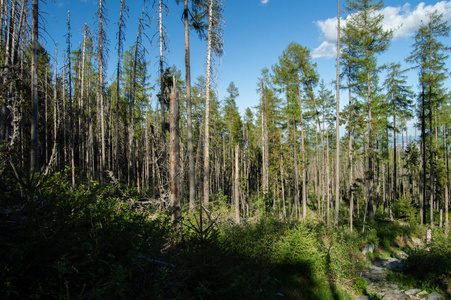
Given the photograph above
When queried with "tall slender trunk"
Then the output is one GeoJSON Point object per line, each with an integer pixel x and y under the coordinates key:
{"type": "Point", "coordinates": [237, 184]}
{"type": "Point", "coordinates": [34, 165]}
{"type": "Point", "coordinates": [191, 172]}
{"type": "Point", "coordinates": [395, 166]}
{"type": "Point", "coordinates": [351, 198]}
{"type": "Point", "coordinates": [81, 113]}
{"type": "Point", "coordinates": [174, 198]}
{"type": "Point", "coordinates": [327, 181]}
{"type": "Point", "coordinates": [55, 106]}
{"type": "Point", "coordinates": [371, 153]}
{"type": "Point", "coordinates": [162, 87]}
{"type": "Point", "coordinates": [304, 168]}
{"type": "Point", "coordinates": [46, 132]}
{"type": "Point", "coordinates": [207, 108]}
{"type": "Point", "coordinates": [431, 161]}
{"type": "Point", "coordinates": [71, 111]}
{"type": "Point", "coordinates": [423, 147]}
{"type": "Point", "coordinates": [264, 116]}
{"type": "Point", "coordinates": [296, 172]}
{"type": "Point", "coordinates": [282, 179]}
{"type": "Point", "coordinates": [118, 83]}
{"type": "Point", "coordinates": [447, 184]}
{"type": "Point", "coordinates": [101, 57]}
{"type": "Point", "coordinates": [337, 124]}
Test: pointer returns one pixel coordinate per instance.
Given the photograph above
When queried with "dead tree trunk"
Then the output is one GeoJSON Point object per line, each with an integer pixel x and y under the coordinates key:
{"type": "Point", "coordinates": [237, 184]}
{"type": "Point", "coordinates": [174, 199]}
{"type": "Point", "coordinates": [34, 166]}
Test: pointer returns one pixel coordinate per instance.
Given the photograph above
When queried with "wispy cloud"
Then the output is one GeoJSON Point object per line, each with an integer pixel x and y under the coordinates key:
{"type": "Point", "coordinates": [264, 1]}
{"type": "Point", "coordinates": [401, 19]}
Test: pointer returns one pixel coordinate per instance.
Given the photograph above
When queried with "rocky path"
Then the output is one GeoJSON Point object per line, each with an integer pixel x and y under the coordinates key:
{"type": "Point", "coordinates": [378, 286]}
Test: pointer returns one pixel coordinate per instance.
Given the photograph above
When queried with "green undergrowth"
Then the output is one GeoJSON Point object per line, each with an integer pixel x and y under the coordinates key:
{"type": "Point", "coordinates": [428, 266]}
{"type": "Point", "coordinates": [90, 243]}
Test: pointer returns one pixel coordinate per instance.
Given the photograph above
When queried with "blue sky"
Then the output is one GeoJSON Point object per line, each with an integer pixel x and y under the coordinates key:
{"type": "Point", "coordinates": [256, 32]}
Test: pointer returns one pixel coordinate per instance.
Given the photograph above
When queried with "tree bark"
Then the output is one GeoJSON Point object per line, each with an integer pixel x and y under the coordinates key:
{"type": "Point", "coordinates": [71, 104]}
{"type": "Point", "coordinates": [264, 115]}
{"type": "Point", "coordinates": [174, 199]}
{"type": "Point", "coordinates": [337, 124]}
{"type": "Point", "coordinates": [191, 174]}
{"type": "Point", "coordinates": [34, 166]}
{"type": "Point", "coordinates": [237, 184]}
{"type": "Point", "coordinates": [207, 108]}
{"type": "Point", "coordinates": [304, 169]}
{"type": "Point", "coordinates": [100, 91]}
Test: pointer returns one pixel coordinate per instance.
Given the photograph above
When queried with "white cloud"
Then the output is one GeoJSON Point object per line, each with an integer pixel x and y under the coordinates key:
{"type": "Point", "coordinates": [264, 1]}
{"type": "Point", "coordinates": [329, 29]}
{"type": "Point", "coordinates": [401, 19]}
{"type": "Point", "coordinates": [326, 49]}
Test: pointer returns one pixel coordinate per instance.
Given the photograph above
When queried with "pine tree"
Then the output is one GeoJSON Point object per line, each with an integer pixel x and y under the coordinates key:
{"type": "Point", "coordinates": [364, 29]}
{"type": "Point", "coordinates": [296, 73]}
{"type": "Point", "coordinates": [399, 96]}
{"type": "Point", "coordinates": [428, 55]}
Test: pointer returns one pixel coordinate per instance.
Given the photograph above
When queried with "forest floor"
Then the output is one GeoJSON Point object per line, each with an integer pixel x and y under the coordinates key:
{"type": "Point", "coordinates": [91, 243]}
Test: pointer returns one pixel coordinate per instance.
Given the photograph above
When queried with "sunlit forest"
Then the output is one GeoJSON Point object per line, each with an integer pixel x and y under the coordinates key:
{"type": "Point", "coordinates": [119, 184]}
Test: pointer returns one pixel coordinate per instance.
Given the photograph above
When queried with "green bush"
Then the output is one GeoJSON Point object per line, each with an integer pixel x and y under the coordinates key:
{"type": "Point", "coordinates": [371, 236]}
{"type": "Point", "coordinates": [430, 264]}
{"type": "Point", "coordinates": [343, 260]}
{"type": "Point", "coordinates": [298, 247]}
{"type": "Point", "coordinates": [405, 209]}
{"type": "Point", "coordinates": [82, 242]}
{"type": "Point", "coordinates": [359, 285]}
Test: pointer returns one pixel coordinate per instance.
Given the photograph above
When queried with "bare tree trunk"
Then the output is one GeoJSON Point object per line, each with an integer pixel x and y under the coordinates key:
{"type": "Point", "coordinates": [237, 184]}
{"type": "Point", "coordinates": [337, 124]}
{"type": "Point", "coordinates": [296, 171]}
{"type": "Point", "coordinates": [351, 200]}
{"type": "Point", "coordinates": [265, 152]}
{"type": "Point", "coordinates": [46, 132]}
{"type": "Point", "coordinates": [81, 113]}
{"type": "Point", "coordinates": [55, 106]}
{"type": "Point", "coordinates": [431, 161]}
{"type": "Point", "coordinates": [162, 87]}
{"type": "Point", "coordinates": [71, 111]}
{"type": "Point", "coordinates": [191, 174]}
{"type": "Point", "coordinates": [174, 198]}
{"type": "Point", "coordinates": [207, 108]}
{"type": "Point", "coordinates": [34, 165]}
{"type": "Point", "coordinates": [370, 170]}
{"type": "Point", "coordinates": [447, 185]}
{"type": "Point", "coordinates": [282, 179]}
{"type": "Point", "coordinates": [304, 168]}
{"type": "Point", "coordinates": [100, 90]}
{"type": "Point", "coordinates": [327, 182]}
{"type": "Point", "coordinates": [122, 15]}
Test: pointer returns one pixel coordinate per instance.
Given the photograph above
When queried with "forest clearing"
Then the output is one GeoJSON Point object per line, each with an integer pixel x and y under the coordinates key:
{"type": "Point", "coordinates": [122, 177]}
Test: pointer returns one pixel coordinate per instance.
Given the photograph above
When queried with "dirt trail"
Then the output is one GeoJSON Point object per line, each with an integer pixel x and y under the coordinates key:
{"type": "Point", "coordinates": [378, 287]}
